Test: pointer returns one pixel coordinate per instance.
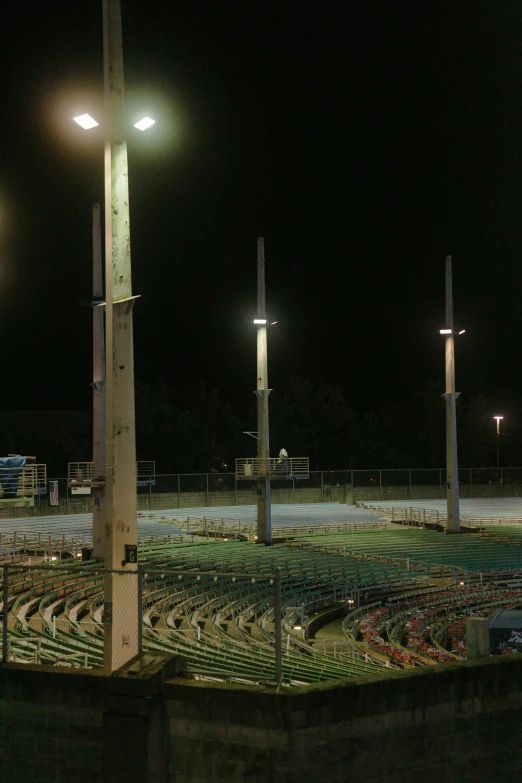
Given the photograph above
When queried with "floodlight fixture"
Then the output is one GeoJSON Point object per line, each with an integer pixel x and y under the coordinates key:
{"type": "Point", "coordinates": [446, 331]}
{"type": "Point", "coordinates": [144, 123]}
{"type": "Point", "coordinates": [462, 331]}
{"type": "Point", "coordinates": [297, 627]}
{"type": "Point", "coordinates": [273, 323]}
{"type": "Point", "coordinates": [85, 121]}
{"type": "Point", "coordinates": [498, 418]}
{"type": "Point", "coordinates": [260, 321]}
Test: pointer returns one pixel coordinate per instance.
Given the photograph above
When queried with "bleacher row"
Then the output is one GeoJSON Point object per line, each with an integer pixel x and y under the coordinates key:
{"type": "Point", "coordinates": [425, 628]}
{"type": "Point", "coordinates": [224, 625]}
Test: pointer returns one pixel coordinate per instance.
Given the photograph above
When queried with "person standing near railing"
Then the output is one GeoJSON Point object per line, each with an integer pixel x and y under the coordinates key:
{"type": "Point", "coordinates": [282, 462]}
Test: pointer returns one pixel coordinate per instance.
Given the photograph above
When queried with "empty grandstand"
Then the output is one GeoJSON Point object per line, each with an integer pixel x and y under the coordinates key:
{"type": "Point", "coordinates": [208, 592]}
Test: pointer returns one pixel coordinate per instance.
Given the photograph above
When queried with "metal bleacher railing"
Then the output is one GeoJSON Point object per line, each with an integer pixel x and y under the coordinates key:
{"type": "Point", "coordinates": [54, 615]}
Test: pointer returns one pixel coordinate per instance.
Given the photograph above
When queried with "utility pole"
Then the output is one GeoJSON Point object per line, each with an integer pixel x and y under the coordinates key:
{"type": "Point", "coordinates": [121, 637]}
{"type": "Point", "coordinates": [98, 386]}
{"type": "Point", "coordinates": [498, 419]}
{"type": "Point", "coordinates": [452, 465]}
{"type": "Point", "coordinates": [264, 511]}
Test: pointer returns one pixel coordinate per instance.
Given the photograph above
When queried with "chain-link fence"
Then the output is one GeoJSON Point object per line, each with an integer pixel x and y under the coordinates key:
{"type": "Point", "coordinates": [197, 490]}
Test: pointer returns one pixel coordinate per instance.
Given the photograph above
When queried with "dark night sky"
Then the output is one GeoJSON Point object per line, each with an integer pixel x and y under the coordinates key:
{"type": "Point", "coordinates": [362, 140]}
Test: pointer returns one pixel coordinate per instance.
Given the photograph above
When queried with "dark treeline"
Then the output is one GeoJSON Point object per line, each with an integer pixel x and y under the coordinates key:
{"type": "Point", "coordinates": [196, 430]}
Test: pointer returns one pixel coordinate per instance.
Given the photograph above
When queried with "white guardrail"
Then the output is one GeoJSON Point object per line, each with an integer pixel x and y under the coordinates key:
{"type": "Point", "coordinates": [272, 467]}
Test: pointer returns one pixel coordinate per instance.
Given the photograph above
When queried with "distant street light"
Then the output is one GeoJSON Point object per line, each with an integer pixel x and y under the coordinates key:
{"type": "Point", "coordinates": [498, 420]}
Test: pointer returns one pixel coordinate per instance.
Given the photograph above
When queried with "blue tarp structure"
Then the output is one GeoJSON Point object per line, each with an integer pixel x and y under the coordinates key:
{"type": "Point", "coordinates": [10, 470]}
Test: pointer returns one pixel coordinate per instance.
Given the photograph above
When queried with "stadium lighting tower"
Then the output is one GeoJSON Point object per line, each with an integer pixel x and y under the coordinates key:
{"type": "Point", "coordinates": [498, 420]}
{"type": "Point", "coordinates": [115, 535]}
{"type": "Point", "coordinates": [452, 466]}
{"type": "Point", "coordinates": [264, 511]}
{"type": "Point", "coordinates": [122, 634]}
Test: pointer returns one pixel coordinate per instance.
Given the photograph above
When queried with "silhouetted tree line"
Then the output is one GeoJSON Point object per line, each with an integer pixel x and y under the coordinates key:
{"type": "Point", "coordinates": [195, 430]}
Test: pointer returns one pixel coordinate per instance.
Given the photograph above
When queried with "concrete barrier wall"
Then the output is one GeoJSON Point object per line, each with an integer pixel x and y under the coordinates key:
{"type": "Point", "coordinates": [445, 724]}
{"type": "Point", "coordinates": [456, 723]}
{"type": "Point", "coordinates": [157, 501]}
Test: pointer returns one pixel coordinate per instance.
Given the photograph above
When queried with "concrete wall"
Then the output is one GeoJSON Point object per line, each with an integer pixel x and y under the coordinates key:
{"type": "Point", "coordinates": [157, 501]}
{"type": "Point", "coordinates": [50, 726]}
{"type": "Point", "coordinates": [457, 723]}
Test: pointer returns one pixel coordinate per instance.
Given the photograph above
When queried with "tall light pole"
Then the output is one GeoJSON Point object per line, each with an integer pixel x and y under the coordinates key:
{"type": "Point", "coordinates": [98, 386]}
{"type": "Point", "coordinates": [452, 466]}
{"type": "Point", "coordinates": [121, 615]}
{"type": "Point", "coordinates": [498, 419]}
{"type": "Point", "coordinates": [264, 511]}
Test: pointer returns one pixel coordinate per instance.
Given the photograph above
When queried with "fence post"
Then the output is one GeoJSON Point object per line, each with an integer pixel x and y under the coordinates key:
{"type": "Point", "coordinates": [140, 608]}
{"type": "Point", "coordinates": [235, 487]}
{"type": "Point", "coordinates": [277, 622]}
{"type": "Point", "coordinates": [5, 615]}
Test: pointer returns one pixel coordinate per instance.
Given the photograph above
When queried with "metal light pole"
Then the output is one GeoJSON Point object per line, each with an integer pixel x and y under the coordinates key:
{"type": "Point", "coordinates": [121, 638]}
{"type": "Point", "coordinates": [98, 385]}
{"type": "Point", "coordinates": [264, 511]}
{"type": "Point", "coordinates": [452, 466]}
{"type": "Point", "coordinates": [498, 419]}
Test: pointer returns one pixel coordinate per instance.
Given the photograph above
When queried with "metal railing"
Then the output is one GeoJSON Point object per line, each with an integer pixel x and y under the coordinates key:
{"type": "Point", "coordinates": [272, 467]}
{"type": "Point", "coordinates": [81, 474]}
{"type": "Point", "coordinates": [146, 472]}
{"type": "Point", "coordinates": [23, 482]}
